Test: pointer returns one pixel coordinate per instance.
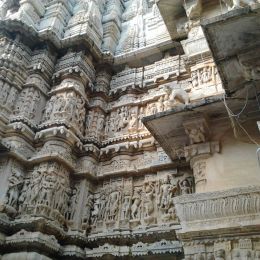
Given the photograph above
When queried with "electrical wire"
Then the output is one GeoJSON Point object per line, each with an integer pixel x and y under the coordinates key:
{"type": "Point", "coordinates": [244, 107]}
{"type": "Point", "coordinates": [234, 118]}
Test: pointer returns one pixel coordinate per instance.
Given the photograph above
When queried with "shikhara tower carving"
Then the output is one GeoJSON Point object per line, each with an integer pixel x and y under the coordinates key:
{"type": "Point", "coordinates": [114, 139]}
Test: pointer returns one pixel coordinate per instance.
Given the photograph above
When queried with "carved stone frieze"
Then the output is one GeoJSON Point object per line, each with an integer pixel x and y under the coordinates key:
{"type": "Point", "coordinates": [82, 173]}
{"type": "Point", "coordinates": [134, 202]}
{"type": "Point", "coordinates": [222, 209]}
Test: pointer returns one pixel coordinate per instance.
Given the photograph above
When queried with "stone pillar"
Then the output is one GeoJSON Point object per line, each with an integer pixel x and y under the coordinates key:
{"type": "Point", "coordinates": [199, 150]}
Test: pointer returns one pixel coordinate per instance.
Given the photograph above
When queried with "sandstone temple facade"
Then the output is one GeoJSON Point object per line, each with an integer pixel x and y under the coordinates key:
{"type": "Point", "coordinates": [129, 129]}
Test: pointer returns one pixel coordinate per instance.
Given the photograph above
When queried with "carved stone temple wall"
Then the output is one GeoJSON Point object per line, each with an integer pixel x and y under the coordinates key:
{"type": "Point", "coordinates": [125, 134]}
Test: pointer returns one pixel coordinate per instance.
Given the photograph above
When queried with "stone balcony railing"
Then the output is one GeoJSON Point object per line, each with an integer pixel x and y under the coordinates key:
{"type": "Point", "coordinates": [220, 209]}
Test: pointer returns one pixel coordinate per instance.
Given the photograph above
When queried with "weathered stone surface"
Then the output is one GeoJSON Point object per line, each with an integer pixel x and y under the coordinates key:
{"type": "Point", "coordinates": [115, 136]}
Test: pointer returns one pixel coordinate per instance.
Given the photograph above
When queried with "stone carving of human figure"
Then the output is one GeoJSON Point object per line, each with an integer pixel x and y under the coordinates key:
{"type": "Point", "coordinates": [95, 211]}
{"type": "Point", "coordinates": [185, 187]}
{"type": "Point", "coordinates": [102, 208]}
{"type": "Point", "coordinates": [59, 198]}
{"type": "Point", "coordinates": [148, 199]}
{"type": "Point", "coordinates": [132, 123]}
{"type": "Point", "coordinates": [22, 197]}
{"type": "Point", "coordinates": [71, 104]}
{"type": "Point", "coordinates": [166, 101]}
{"type": "Point", "coordinates": [58, 107]}
{"type": "Point", "coordinates": [135, 208]}
{"type": "Point", "coordinates": [122, 118]}
{"type": "Point", "coordinates": [203, 75]}
{"type": "Point", "coordinates": [48, 185]}
{"type": "Point", "coordinates": [73, 203]}
{"type": "Point", "coordinates": [153, 109]}
{"type": "Point", "coordinates": [107, 127]}
{"type": "Point", "coordinates": [89, 122]}
{"type": "Point", "coordinates": [14, 186]}
{"type": "Point", "coordinates": [80, 113]}
{"type": "Point", "coordinates": [87, 210]}
{"type": "Point", "coordinates": [35, 188]}
{"type": "Point", "coordinates": [159, 105]}
{"type": "Point", "coordinates": [113, 205]}
{"type": "Point", "coordinates": [196, 135]}
{"type": "Point", "coordinates": [49, 108]}
{"type": "Point", "coordinates": [126, 208]}
{"type": "Point", "coordinates": [166, 192]}
{"type": "Point", "coordinates": [194, 79]}
{"type": "Point", "coordinates": [140, 117]}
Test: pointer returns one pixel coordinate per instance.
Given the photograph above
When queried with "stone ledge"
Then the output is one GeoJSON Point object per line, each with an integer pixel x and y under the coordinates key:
{"type": "Point", "coordinates": [238, 207]}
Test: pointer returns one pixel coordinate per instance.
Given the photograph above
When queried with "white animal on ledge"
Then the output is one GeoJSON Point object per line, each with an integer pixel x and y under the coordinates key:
{"type": "Point", "coordinates": [233, 4]}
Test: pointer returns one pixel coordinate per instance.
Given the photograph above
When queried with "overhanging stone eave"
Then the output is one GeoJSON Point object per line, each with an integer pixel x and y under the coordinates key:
{"type": "Point", "coordinates": [164, 131]}
{"type": "Point", "coordinates": [228, 39]}
{"type": "Point", "coordinates": [171, 11]}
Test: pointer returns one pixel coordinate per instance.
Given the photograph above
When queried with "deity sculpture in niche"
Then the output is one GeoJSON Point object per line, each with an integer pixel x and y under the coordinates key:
{"type": "Point", "coordinates": [15, 183]}
{"type": "Point", "coordinates": [167, 190]}
{"type": "Point", "coordinates": [100, 209]}
{"type": "Point", "coordinates": [126, 207]}
{"type": "Point", "coordinates": [196, 134]}
{"type": "Point", "coordinates": [132, 125]}
{"type": "Point", "coordinates": [148, 201]}
{"type": "Point", "coordinates": [87, 212]}
{"type": "Point", "coordinates": [185, 187]}
{"type": "Point", "coordinates": [113, 204]}
{"type": "Point", "coordinates": [22, 197]}
{"type": "Point", "coordinates": [136, 204]}
{"type": "Point", "coordinates": [72, 205]}
{"type": "Point", "coordinates": [95, 211]}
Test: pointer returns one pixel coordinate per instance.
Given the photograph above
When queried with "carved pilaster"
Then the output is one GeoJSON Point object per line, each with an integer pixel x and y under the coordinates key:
{"type": "Point", "coordinates": [199, 166]}
{"type": "Point", "coordinates": [102, 84]}
{"type": "Point", "coordinates": [199, 150]}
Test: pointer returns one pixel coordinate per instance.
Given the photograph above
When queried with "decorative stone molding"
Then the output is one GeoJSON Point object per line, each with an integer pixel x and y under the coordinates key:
{"type": "Point", "coordinates": [80, 174]}
{"type": "Point", "coordinates": [108, 249]}
{"type": "Point", "coordinates": [139, 249]}
{"type": "Point", "coordinates": [222, 209]}
{"type": "Point", "coordinates": [46, 242]}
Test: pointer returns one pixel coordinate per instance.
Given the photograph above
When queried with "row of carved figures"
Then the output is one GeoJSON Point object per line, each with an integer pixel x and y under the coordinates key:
{"type": "Point", "coordinates": [128, 120]}
{"type": "Point", "coordinates": [48, 192]}
{"type": "Point", "coordinates": [149, 203]}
